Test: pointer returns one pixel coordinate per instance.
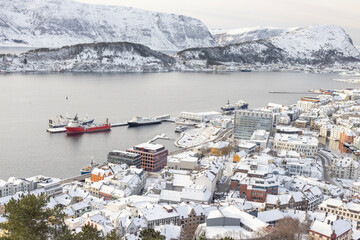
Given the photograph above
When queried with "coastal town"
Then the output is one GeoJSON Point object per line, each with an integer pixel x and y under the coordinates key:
{"type": "Point", "coordinates": [236, 173]}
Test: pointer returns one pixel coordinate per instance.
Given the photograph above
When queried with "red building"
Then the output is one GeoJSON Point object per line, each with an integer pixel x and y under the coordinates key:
{"type": "Point", "coordinates": [347, 136]}
{"type": "Point", "coordinates": [98, 174]}
{"type": "Point", "coordinates": [254, 186]}
{"type": "Point", "coordinates": [153, 156]}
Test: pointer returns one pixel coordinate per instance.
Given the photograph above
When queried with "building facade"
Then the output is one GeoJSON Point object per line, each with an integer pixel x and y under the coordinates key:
{"type": "Point", "coordinates": [346, 168]}
{"type": "Point", "coordinates": [291, 142]}
{"type": "Point", "coordinates": [349, 211]}
{"type": "Point", "coordinates": [153, 156]}
{"type": "Point", "coordinates": [246, 122]}
{"type": "Point", "coordinates": [121, 157]}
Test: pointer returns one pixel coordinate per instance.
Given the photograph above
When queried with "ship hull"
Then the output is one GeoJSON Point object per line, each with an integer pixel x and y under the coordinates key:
{"type": "Point", "coordinates": [77, 130]}
{"type": "Point", "coordinates": [137, 124]}
{"type": "Point", "coordinates": [64, 125]}
{"type": "Point", "coordinates": [245, 106]}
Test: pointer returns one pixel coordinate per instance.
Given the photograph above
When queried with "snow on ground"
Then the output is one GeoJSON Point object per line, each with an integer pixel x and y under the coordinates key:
{"type": "Point", "coordinates": [196, 136]}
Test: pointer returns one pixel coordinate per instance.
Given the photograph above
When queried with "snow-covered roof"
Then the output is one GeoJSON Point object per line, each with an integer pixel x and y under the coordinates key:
{"type": "Point", "coordinates": [180, 180]}
{"type": "Point", "coordinates": [157, 212]}
{"type": "Point", "coordinates": [169, 195]}
{"type": "Point", "coordinates": [270, 216]}
{"type": "Point", "coordinates": [340, 226]}
{"type": "Point", "coordinates": [220, 145]}
{"type": "Point", "coordinates": [196, 193]}
{"type": "Point", "coordinates": [169, 231]}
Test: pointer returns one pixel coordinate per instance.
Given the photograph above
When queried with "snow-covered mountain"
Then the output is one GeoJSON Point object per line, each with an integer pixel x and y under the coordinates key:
{"type": "Point", "coordinates": [311, 45]}
{"type": "Point", "coordinates": [56, 23]}
{"type": "Point", "coordinates": [240, 35]}
{"type": "Point", "coordinates": [92, 57]}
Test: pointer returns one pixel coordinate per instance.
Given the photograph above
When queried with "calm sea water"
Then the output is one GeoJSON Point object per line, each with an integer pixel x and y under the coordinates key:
{"type": "Point", "coordinates": [27, 101]}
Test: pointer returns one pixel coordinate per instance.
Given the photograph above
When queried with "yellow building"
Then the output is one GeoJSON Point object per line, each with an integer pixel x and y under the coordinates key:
{"type": "Point", "coordinates": [236, 158]}
{"type": "Point", "coordinates": [220, 148]}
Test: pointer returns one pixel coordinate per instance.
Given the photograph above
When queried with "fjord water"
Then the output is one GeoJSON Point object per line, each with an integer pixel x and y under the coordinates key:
{"type": "Point", "coordinates": [27, 101]}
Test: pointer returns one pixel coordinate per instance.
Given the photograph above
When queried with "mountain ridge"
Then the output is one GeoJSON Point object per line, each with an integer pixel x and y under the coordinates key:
{"type": "Point", "coordinates": [89, 57]}
{"type": "Point", "coordinates": [55, 23]}
{"type": "Point", "coordinates": [310, 45]}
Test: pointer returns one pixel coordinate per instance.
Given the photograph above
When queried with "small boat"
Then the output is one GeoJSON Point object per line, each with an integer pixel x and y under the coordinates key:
{"type": "Point", "coordinates": [180, 129]}
{"type": "Point", "coordinates": [75, 127]}
{"type": "Point", "coordinates": [64, 121]}
{"type": "Point", "coordinates": [139, 121]}
{"type": "Point", "coordinates": [241, 104]}
{"type": "Point", "coordinates": [89, 168]}
{"type": "Point", "coordinates": [228, 107]}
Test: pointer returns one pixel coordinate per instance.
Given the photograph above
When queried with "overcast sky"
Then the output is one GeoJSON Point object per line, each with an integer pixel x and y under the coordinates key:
{"type": "Point", "coordinates": [228, 14]}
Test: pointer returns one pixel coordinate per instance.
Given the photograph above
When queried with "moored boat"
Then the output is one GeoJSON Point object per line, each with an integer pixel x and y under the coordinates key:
{"type": "Point", "coordinates": [62, 121]}
{"type": "Point", "coordinates": [228, 107]}
{"type": "Point", "coordinates": [241, 104]}
{"type": "Point", "coordinates": [139, 121]}
{"type": "Point", "coordinates": [75, 127]}
{"type": "Point", "coordinates": [89, 168]}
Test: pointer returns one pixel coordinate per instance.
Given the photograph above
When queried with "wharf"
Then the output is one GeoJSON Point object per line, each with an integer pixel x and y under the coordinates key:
{"type": "Point", "coordinates": [163, 118]}
{"type": "Point", "coordinates": [160, 136]}
{"type": "Point", "coordinates": [76, 178]}
{"type": "Point", "coordinates": [289, 92]}
{"type": "Point", "coordinates": [118, 124]}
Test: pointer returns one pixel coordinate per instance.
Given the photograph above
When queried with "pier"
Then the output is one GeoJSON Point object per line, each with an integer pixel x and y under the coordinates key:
{"type": "Point", "coordinates": [76, 178]}
{"type": "Point", "coordinates": [163, 118]}
{"type": "Point", "coordinates": [289, 92]}
{"type": "Point", "coordinates": [119, 124]}
{"type": "Point", "coordinates": [160, 136]}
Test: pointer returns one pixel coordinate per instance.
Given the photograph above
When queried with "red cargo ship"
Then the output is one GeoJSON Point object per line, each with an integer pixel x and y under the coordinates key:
{"type": "Point", "coordinates": [76, 127]}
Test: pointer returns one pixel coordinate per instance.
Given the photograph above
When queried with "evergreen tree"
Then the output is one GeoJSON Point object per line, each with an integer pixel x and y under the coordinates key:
{"type": "Point", "coordinates": [27, 218]}
{"type": "Point", "coordinates": [57, 227]}
{"type": "Point", "coordinates": [112, 236]}
{"type": "Point", "coordinates": [150, 234]}
{"type": "Point", "coordinates": [89, 233]}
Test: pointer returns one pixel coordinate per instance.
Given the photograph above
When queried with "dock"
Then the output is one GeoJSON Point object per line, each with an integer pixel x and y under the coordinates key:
{"type": "Point", "coordinates": [160, 136]}
{"type": "Point", "coordinates": [289, 92]}
{"type": "Point", "coordinates": [77, 178]}
{"type": "Point", "coordinates": [163, 118]}
{"type": "Point", "coordinates": [119, 124]}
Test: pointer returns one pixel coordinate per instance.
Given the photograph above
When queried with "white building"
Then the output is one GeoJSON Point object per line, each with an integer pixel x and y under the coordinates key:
{"type": "Point", "coordinates": [14, 185]}
{"type": "Point", "coordinates": [357, 142]}
{"type": "Point", "coordinates": [325, 130]}
{"type": "Point", "coordinates": [335, 133]}
{"type": "Point", "coordinates": [223, 122]}
{"type": "Point", "coordinates": [355, 188]}
{"type": "Point", "coordinates": [298, 166]}
{"type": "Point", "coordinates": [196, 193]}
{"type": "Point", "coordinates": [182, 161]}
{"type": "Point", "coordinates": [306, 105]}
{"type": "Point", "coordinates": [232, 222]}
{"type": "Point", "coordinates": [247, 121]}
{"type": "Point", "coordinates": [346, 168]}
{"type": "Point", "coordinates": [331, 229]}
{"type": "Point", "coordinates": [156, 215]}
{"type": "Point", "coordinates": [260, 138]}
{"type": "Point", "coordinates": [52, 186]}
{"type": "Point", "coordinates": [199, 117]}
{"type": "Point", "coordinates": [349, 211]}
{"type": "Point", "coordinates": [292, 142]}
